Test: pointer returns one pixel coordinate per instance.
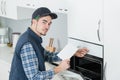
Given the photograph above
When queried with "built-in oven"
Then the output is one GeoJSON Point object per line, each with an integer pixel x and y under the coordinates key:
{"type": "Point", "coordinates": [90, 67]}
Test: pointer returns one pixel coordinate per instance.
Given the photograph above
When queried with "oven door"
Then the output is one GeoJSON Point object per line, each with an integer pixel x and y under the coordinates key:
{"type": "Point", "coordinates": [89, 66]}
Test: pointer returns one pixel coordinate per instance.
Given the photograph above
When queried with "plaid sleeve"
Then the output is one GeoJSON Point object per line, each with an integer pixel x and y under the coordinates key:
{"type": "Point", "coordinates": [30, 64]}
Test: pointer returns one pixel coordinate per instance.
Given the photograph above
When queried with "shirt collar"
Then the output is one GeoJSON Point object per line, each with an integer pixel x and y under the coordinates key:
{"type": "Point", "coordinates": [34, 35]}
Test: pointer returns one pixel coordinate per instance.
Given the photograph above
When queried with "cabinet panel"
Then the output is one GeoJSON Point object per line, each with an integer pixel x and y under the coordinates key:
{"type": "Point", "coordinates": [22, 9]}
{"type": "Point", "coordinates": [85, 20]}
{"type": "Point", "coordinates": [2, 7]}
{"type": "Point", "coordinates": [7, 9]}
{"type": "Point", "coordinates": [10, 10]}
{"type": "Point", "coordinates": [28, 3]}
{"type": "Point", "coordinates": [4, 70]}
{"type": "Point", "coordinates": [1, 4]}
{"type": "Point", "coordinates": [112, 39]}
{"type": "Point", "coordinates": [94, 49]}
{"type": "Point", "coordinates": [53, 5]}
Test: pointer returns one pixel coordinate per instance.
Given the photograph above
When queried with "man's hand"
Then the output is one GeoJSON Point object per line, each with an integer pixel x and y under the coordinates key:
{"type": "Point", "coordinates": [81, 52]}
{"type": "Point", "coordinates": [65, 64]}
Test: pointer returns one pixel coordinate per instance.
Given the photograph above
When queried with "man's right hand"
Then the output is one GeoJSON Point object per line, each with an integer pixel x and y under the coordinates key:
{"type": "Point", "coordinates": [65, 64]}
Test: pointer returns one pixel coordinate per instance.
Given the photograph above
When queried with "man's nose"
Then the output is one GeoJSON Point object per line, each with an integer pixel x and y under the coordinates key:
{"type": "Point", "coordinates": [47, 26]}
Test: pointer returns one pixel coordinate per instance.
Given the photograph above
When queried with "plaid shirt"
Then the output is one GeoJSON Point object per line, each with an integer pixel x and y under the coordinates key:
{"type": "Point", "coordinates": [30, 64]}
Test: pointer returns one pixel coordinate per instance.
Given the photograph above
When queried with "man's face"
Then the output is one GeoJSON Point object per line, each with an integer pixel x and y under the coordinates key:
{"type": "Point", "coordinates": [43, 25]}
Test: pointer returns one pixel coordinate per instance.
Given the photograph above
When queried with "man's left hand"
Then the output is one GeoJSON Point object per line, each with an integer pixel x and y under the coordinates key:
{"type": "Point", "coordinates": [81, 52]}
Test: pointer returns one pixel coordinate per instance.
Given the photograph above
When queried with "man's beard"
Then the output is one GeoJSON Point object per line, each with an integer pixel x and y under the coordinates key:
{"type": "Point", "coordinates": [42, 34]}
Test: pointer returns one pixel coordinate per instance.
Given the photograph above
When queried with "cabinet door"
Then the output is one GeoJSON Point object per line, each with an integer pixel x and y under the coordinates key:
{"type": "Point", "coordinates": [2, 7]}
{"type": "Point", "coordinates": [27, 3]}
{"type": "Point", "coordinates": [112, 39]}
{"type": "Point", "coordinates": [10, 9]}
{"type": "Point", "coordinates": [4, 70]}
{"type": "Point", "coordinates": [54, 5]}
{"type": "Point", "coordinates": [85, 20]}
{"type": "Point", "coordinates": [1, 3]}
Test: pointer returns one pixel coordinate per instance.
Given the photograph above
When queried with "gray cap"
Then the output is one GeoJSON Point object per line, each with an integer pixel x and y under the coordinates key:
{"type": "Point", "coordinates": [43, 11]}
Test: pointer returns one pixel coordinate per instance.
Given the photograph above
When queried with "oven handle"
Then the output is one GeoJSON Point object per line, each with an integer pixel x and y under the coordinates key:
{"type": "Point", "coordinates": [104, 71]}
{"type": "Point", "coordinates": [86, 78]}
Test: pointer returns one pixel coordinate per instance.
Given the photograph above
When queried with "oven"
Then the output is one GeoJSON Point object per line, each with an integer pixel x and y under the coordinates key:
{"type": "Point", "coordinates": [89, 67]}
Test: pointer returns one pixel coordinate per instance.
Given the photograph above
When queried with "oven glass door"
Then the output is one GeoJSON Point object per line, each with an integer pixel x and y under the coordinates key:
{"type": "Point", "coordinates": [89, 67]}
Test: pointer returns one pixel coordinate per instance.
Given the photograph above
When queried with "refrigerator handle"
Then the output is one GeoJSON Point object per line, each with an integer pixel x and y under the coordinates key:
{"type": "Point", "coordinates": [98, 30]}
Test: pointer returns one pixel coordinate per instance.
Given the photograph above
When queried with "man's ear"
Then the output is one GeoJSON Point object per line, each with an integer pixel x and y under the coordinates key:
{"type": "Point", "coordinates": [34, 21]}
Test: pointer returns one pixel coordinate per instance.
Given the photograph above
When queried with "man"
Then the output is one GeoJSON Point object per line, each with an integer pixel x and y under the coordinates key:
{"type": "Point", "coordinates": [29, 56]}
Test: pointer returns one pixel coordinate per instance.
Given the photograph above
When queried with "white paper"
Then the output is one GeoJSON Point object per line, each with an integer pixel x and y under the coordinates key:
{"type": "Point", "coordinates": [68, 51]}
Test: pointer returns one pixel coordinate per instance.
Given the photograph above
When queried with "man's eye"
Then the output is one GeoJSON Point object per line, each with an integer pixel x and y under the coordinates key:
{"type": "Point", "coordinates": [49, 24]}
{"type": "Point", "coordinates": [44, 22]}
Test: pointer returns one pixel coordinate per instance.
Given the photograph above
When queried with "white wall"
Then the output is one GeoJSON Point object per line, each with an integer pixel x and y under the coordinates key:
{"type": "Point", "coordinates": [58, 29]}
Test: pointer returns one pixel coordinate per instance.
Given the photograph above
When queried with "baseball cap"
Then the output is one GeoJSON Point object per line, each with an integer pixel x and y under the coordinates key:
{"type": "Point", "coordinates": [43, 11]}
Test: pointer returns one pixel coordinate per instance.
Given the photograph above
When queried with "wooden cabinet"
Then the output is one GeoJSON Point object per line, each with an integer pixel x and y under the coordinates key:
{"type": "Point", "coordinates": [4, 70]}
{"type": "Point", "coordinates": [85, 20]}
